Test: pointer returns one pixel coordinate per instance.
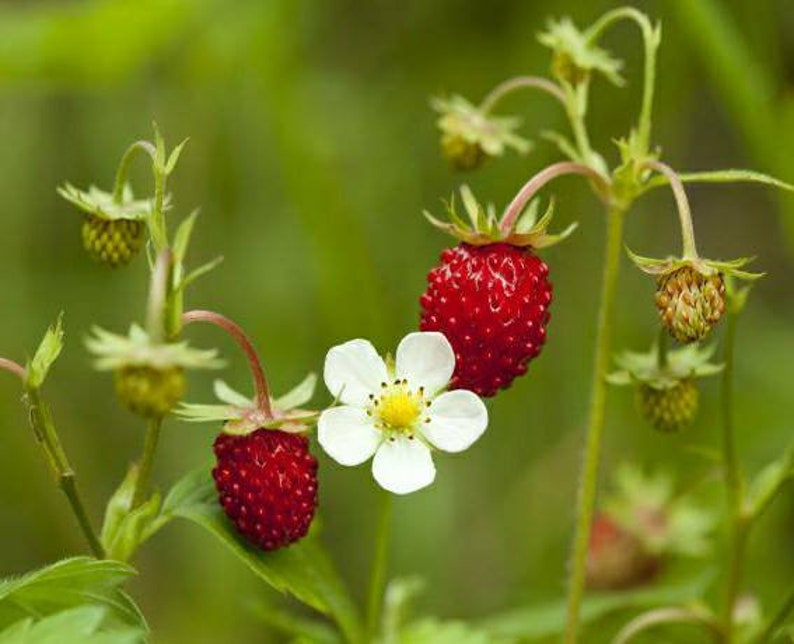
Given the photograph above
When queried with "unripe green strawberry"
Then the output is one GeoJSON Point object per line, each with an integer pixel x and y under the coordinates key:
{"type": "Point", "coordinates": [690, 302]}
{"type": "Point", "coordinates": [150, 392]}
{"type": "Point", "coordinates": [114, 242]}
{"type": "Point", "coordinates": [461, 153]}
{"type": "Point", "coordinates": [669, 409]}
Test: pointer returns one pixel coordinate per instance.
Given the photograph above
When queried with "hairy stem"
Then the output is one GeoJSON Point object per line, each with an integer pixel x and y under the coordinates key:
{"type": "Point", "coordinates": [576, 107]}
{"type": "Point", "coordinates": [43, 427]}
{"type": "Point", "coordinates": [242, 340]}
{"type": "Point", "coordinates": [159, 293]}
{"type": "Point", "coordinates": [147, 461]}
{"type": "Point", "coordinates": [377, 584]}
{"type": "Point", "coordinates": [595, 429]}
{"type": "Point", "coordinates": [531, 187]}
{"type": "Point", "coordinates": [738, 522]}
{"type": "Point", "coordinates": [519, 82]}
{"type": "Point", "coordinates": [684, 212]}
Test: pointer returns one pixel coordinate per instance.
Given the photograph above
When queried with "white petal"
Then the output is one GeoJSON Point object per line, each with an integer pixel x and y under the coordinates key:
{"type": "Point", "coordinates": [354, 370]}
{"type": "Point", "coordinates": [425, 359]}
{"type": "Point", "coordinates": [457, 419]}
{"type": "Point", "coordinates": [347, 435]}
{"type": "Point", "coordinates": [403, 465]}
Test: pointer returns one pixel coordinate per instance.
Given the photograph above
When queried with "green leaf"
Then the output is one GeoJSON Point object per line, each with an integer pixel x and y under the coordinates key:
{"type": "Point", "coordinates": [174, 157]}
{"type": "Point", "coordinates": [298, 626]}
{"type": "Point", "coordinates": [47, 353]}
{"type": "Point", "coordinates": [123, 530]}
{"type": "Point", "coordinates": [548, 619]}
{"type": "Point", "coordinates": [202, 270]}
{"type": "Point", "coordinates": [299, 395]}
{"type": "Point", "coordinates": [721, 176]}
{"type": "Point", "coordinates": [66, 584]}
{"type": "Point", "coordinates": [82, 625]}
{"type": "Point", "coordinates": [302, 570]}
{"type": "Point", "coordinates": [182, 237]}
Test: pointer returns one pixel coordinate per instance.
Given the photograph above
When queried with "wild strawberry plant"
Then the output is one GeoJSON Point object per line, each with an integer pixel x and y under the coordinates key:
{"type": "Point", "coordinates": [483, 319]}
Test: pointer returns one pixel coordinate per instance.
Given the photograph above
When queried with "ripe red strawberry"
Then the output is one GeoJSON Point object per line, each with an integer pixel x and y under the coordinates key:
{"type": "Point", "coordinates": [490, 295]}
{"type": "Point", "coordinates": [492, 304]}
{"type": "Point", "coordinates": [267, 485]}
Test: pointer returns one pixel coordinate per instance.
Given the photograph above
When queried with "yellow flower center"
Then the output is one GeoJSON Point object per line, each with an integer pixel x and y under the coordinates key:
{"type": "Point", "coordinates": [398, 408]}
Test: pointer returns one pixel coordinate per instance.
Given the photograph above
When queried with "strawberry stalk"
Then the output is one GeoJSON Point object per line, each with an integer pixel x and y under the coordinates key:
{"type": "Point", "coordinates": [238, 335]}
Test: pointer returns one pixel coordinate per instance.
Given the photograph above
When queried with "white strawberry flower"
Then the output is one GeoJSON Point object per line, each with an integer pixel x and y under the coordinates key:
{"type": "Point", "coordinates": [397, 411]}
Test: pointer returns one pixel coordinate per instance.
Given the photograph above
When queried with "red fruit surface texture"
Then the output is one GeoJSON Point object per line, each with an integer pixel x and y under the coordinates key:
{"type": "Point", "coordinates": [492, 303]}
{"type": "Point", "coordinates": [267, 485]}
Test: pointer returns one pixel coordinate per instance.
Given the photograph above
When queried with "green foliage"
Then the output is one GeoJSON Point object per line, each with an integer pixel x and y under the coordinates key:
{"type": "Point", "coordinates": [68, 584]}
{"type": "Point", "coordinates": [46, 355]}
{"type": "Point", "coordinates": [81, 625]}
{"type": "Point", "coordinates": [302, 570]}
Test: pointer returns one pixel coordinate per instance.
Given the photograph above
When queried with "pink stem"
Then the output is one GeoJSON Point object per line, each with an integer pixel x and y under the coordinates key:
{"type": "Point", "coordinates": [13, 367]}
{"type": "Point", "coordinates": [239, 336]}
{"type": "Point", "coordinates": [532, 186]}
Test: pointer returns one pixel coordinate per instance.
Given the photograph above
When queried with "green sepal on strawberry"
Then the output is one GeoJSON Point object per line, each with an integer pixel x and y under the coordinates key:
{"type": "Point", "coordinates": [149, 376]}
{"type": "Point", "coordinates": [482, 226]}
{"type": "Point", "coordinates": [690, 293]}
{"type": "Point", "coordinates": [114, 230]}
{"type": "Point", "coordinates": [241, 415]}
{"type": "Point", "coordinates": [490, 294]}
{"type": "Point", "coordinates": [666, 383]}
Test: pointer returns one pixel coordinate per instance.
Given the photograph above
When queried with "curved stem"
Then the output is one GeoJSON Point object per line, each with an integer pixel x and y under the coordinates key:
{"type": "Point", "coordinates": [147, 460]}
{"type": "Point", "coordinates": [575, 108]}
{"type": "Point", "coordinates": [684, 212]}
{"type": "Point", "coordinates": [531, 187]}
{"type": "Point", "coordinates": [13, 367]}
{"type": "Point", "coordinates": [239, 336]}
{"type": "Point", "coordinates": [651, 43]}
{"type": "Point", "coordinates": [124, 165]}
{"type": "Point", "coordinates": [520, 82]}
{"type": "Point", "coordinates": [659, 616]}
{"type": "Point", "coordinates": [589, 473]}
{"type": "Point", "coordinates": [739, 525]}
{"type": "Point", "coordinates": [380, 561]}
{"type": "Point", "coordinates": [40, 420]}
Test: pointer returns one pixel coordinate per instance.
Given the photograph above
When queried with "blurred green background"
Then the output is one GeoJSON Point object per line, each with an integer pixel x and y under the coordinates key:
{"type": "Point", "coordinates": [312, 154]}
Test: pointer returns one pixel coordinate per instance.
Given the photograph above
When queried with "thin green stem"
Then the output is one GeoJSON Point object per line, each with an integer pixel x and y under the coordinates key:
{"type": "Point", "coordinates": [159, 294]}
{"type": "Point", "coordinates": [521, 82]}
{"type": "Point", "coordinates": [682, 202]}
{"type": "Point", "coordinates": [650, 38]}
{"type": "Point", "coordinates": [777, 619]}
{"type": "Point", "coordinates": [124, 166]}
{"type": "Point", "coordinates": [147, 460]}
{"type": "Point", "coordinates": [377, 584]}
{"type": "Point", "coordinates": [739, 525]}
{"type": "Point", "coordinates": [43, 427]}
{"type": "Point", "coordinates": [662, 348]}
{"type": "Point", "coordinates": [575, 108]}
{"type": "Point", "coordinates": [589, 473]}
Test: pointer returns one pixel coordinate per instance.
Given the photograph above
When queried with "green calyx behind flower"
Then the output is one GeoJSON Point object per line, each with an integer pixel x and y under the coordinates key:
{"type": "Point", "coordinates": [469, 135]}
{"type": "Point", "coordinates": [575, 56]}
{"type": "Point", "coordinates": [666, 523]}
{"type": "Point", "coordinates": [240, 414]}
{"type": "Point", "coordinates": [482, 226]}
